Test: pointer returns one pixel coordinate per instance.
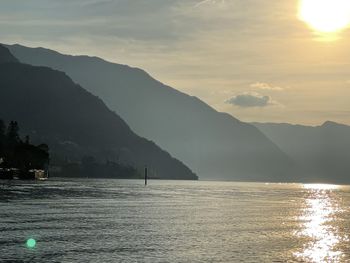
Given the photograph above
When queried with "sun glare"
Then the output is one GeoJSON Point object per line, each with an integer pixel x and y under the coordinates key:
{"type": "Point", "coordinates": [319, 227]}
{"type": "Point", "coordinates": [321, 186]}
{"type": "Point", "coordinates": [325, 16]}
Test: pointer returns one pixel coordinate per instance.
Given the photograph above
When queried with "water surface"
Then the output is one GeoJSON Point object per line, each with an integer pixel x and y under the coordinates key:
{"type": "Point", "coordinates": [173, 221]}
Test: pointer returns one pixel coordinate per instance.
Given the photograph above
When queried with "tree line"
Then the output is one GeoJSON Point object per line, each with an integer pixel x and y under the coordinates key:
{"type": "Point", "coordinates": [20, 154]}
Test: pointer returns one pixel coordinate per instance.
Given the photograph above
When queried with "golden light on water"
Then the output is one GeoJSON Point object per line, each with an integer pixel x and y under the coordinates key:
{"type": "Point", "coordinates": [319, 226]}
{"type": "Point", "coordinates": [325, 17]}
{"type": "Point", "coordinates": [321, 186]}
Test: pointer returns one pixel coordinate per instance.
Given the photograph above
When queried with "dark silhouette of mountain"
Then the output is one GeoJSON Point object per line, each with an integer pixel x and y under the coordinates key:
{"type": "Point", "coordinates": [322, 152]}
{"type": "Point", "coordinates": [6, 56]}
{"type": "Point", "coordinates": [50, 107]}
{"type": "Point", "coordinates": [215, 145]}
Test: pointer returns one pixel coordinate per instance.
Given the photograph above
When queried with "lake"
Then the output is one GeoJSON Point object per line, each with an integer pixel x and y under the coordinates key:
{"type": "Point", "coordinates": [173, 221]}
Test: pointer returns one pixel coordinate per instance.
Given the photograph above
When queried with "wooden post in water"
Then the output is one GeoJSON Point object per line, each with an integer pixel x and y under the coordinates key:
{"type": "Point", "coordinates": [146, 175]}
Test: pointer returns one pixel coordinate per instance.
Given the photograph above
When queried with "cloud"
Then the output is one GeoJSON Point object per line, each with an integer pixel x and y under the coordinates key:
{"type": "Point", "coordinates": [265, 86]}
{"type": "Point", "coordinates": [252, 99]}
{"type": "Point", "coordinates": [202, 2]}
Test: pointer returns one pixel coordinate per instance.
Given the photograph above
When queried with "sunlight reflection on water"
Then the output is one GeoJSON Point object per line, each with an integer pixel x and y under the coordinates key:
{"type": "Point", "coordinates": [87, 220]}
{"type": "Point", "coordinates": [318, 217]}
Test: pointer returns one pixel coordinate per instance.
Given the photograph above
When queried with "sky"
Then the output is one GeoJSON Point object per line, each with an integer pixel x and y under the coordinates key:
{"type": "Point", "coordinates": [254, 59]}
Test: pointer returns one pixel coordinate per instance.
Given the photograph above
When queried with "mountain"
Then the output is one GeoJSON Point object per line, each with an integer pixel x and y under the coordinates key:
{"type": "Point", "coordinates": [6, 56]}
{"type": "Point", "coordinates": [215, 145]}
{"type": "Point", "coordinates": [322, 153]}
{"type": "Point", "coordinates": [49, 106]}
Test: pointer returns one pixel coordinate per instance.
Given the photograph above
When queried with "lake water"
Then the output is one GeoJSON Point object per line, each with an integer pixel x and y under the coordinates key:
{"type": "Point", "coordinates": [173, 221]}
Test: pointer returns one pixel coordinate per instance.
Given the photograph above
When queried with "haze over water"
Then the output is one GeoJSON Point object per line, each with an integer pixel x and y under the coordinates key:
{"type": "Point", "coordinates": [173, 221]}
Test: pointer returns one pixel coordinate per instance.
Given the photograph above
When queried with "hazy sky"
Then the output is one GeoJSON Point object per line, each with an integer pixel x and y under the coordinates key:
{"type": "Point", "coordinates": [252, 58]}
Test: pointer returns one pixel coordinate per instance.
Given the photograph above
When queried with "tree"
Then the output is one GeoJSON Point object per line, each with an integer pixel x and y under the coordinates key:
{"type": "Point", "coordinates": [15, 153]}
{"type": "Point", "coordinates": [12, 134]}
{"type": "Point", "coordinates": [2, 129]}
{"type": "Point", "coordinates": [27, 140]}
{"type": "Point", "coordinates": [44, 147]}
{"type": "Point", "coordinates": [2, 137]}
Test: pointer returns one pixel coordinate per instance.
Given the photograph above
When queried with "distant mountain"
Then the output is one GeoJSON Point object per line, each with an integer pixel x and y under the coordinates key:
{"type": "Point", "coordinates": [215, 145]}
{"type": "Point", "coordinates": [322, 152]}
{"type": "Point", "coordinates": [51, 108]}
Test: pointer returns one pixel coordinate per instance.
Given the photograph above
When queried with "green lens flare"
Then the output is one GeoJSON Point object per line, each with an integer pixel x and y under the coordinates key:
{"type": "Point", "coordinates": [31, 243]}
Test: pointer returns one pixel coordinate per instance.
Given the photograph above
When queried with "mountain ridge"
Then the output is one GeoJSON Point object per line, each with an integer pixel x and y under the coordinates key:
{"type": "Point", "coordinates": [49, 105]}
{"type": "Point", "coordinates": [320, 152]}
{"type": "Point", "coordinates": [215, 145]}
{"type": "Point", "coordinates": [6, 56]}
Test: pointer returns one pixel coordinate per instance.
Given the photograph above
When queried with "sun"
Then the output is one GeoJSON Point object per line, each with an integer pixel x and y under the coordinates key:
{"type": "Point", "coordinates": [325, 16]}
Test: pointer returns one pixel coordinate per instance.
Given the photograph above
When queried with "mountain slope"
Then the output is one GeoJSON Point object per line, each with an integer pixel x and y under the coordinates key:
{"type": "Point", "coordinates": [6, 56]}
{"type": "Point", "coordinates": [215, 145]}
{"type": "Point", "coordinates": [50, 106]}
{"type": "Point", "coordinates": [322, 152]}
